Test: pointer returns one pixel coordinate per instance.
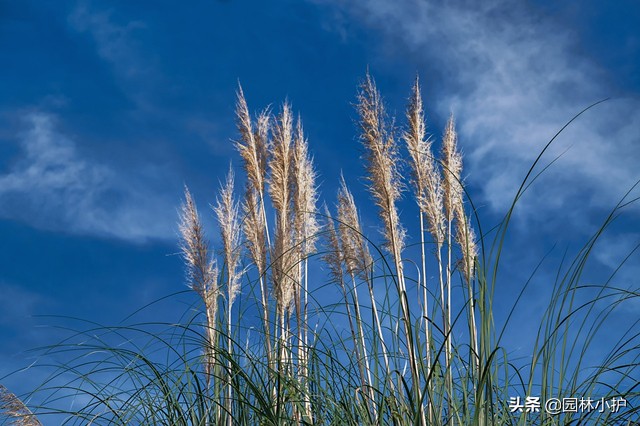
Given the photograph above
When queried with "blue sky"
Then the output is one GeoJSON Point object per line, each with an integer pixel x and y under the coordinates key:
{"type": "Point", "coordinates": [108, 108]}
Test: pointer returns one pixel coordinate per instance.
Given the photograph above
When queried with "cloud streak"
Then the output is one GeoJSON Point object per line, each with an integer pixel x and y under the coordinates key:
{"type": "Point", "coordinates": [51, 186]}
{"type": "Point", "coordinates": [114, 43]}
{"type": "Point", "coordinates": [514, 78]}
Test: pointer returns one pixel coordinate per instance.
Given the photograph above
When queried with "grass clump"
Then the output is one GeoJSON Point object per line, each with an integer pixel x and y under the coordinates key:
{"type": "Point", "coordinates": [396, 348]}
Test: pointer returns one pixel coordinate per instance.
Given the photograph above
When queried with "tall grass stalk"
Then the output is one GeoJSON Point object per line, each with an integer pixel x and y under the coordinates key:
{"type": "Point", "coordinates": [427, 185]}
{"type": "Point", "coordinates": [355, 259]}
{"type": "Point", "coordinates": [254, 149]}
{"type": "Point", "coordinates": [385, 186]}
{"type": "Point", "coordinates": [202, 275]}
{"type": "Point", "coordinates": [306, 230]}
{"type": "Point", "coordinates": [226, 211]}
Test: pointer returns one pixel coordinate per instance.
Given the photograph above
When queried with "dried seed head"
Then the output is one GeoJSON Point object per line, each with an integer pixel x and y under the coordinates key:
{"type": "Point", "coordinates": [357, 258]}
{"type": "Point", "coordinates": [281, 168]}
{"type": "Point", "coordinates": [13, 407]}
{"type": "Point", "coordinates": [201, 269]}
{"type": "Point", "coordinates": [452, 169]}
{"type": "Point", "coordinates": [281, 162]}
{"type": "Point", "coordinates": [427, 181]}
{"type": "Point", "coordinates": [466, 239]}
{"type": "Point", "coordinates": [253, 143]}
{"type": "Point", "coordinates": [254, 228]}
{"type": "Point", "coordinates": [202, 273]}
{"type": "Point", "coordinates": [226, 211]}
{"type": "Point", "coordinates": [305, 195]}
{"type": "Point", "coordinates": [381, 161]}
{"type": "Point", "coordinates": [333, 255]}
{"type": "Point", "coordinates": [415, 137]}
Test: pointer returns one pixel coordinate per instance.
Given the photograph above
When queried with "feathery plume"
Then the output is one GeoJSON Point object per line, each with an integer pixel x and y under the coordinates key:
{"type": "Point", "coordinates": [253, 227]}
{"type": "Point", "coordinates": [226, 211]}
{"type": "Point", "coordinates": [452, 168]}
{"type": "Point", "coordinates": [201, 269]}
{"type": "Point", "coordinates": [280, 165]}
{"type": "Point", "coordinates": [202, 273]}
{"type": "Point", "coordinates": [466, 239]}
{"type": "Point", "coordinates": [253, 144]}
{"type": "Point", "coordinates": [13, 407]}
{"type": "Point", "coordinates": [305, 194]}
{"type": "Point", "coordinates": [333, 256]}
{"type": "Point", "coordinates": [426, 176]}
{"type": "Point", "coordinates": [356, 252]}
{"type": "Point", "coordinates": [382, 159]}
{"type": "Point", "coordinates": [280, 191]}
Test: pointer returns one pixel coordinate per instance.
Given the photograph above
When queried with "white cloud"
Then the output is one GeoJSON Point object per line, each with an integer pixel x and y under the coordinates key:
{"type": "Point", "coordinates": [513, 78]}
{"type": "Point", "coordinates": [51, 186]}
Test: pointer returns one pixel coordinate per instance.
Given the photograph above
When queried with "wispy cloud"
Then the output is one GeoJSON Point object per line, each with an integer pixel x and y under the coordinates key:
{"type": "Point", "coordinates": [114, 42]}
{"type": "Point", "coordinates": [52, 186]}
{"type": "Point", "coordinates": [513, 78]}
{"type": "Point", "coordinates": [118, 44]}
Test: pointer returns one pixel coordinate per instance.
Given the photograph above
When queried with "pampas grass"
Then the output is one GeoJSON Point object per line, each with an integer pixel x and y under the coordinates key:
{"type": "Point", "coordinates": [381, 160]}
{"type": "Point", "coordinates": [281, 174]}
{"type": "Point", "coordinates": [397, 347]}
{"type": "Point", "coordinates": [202, 274]}
{"type": "Point", "coordinates": [253, 148]}
{"type": "Point", "coordinates": [15, 409]}
{"type": "Point", "coordinates": [306, 228]}
{"type": "Point", "coordinates": [427, 186]}
{"type": "Point", "coordinates": [226, 211]}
